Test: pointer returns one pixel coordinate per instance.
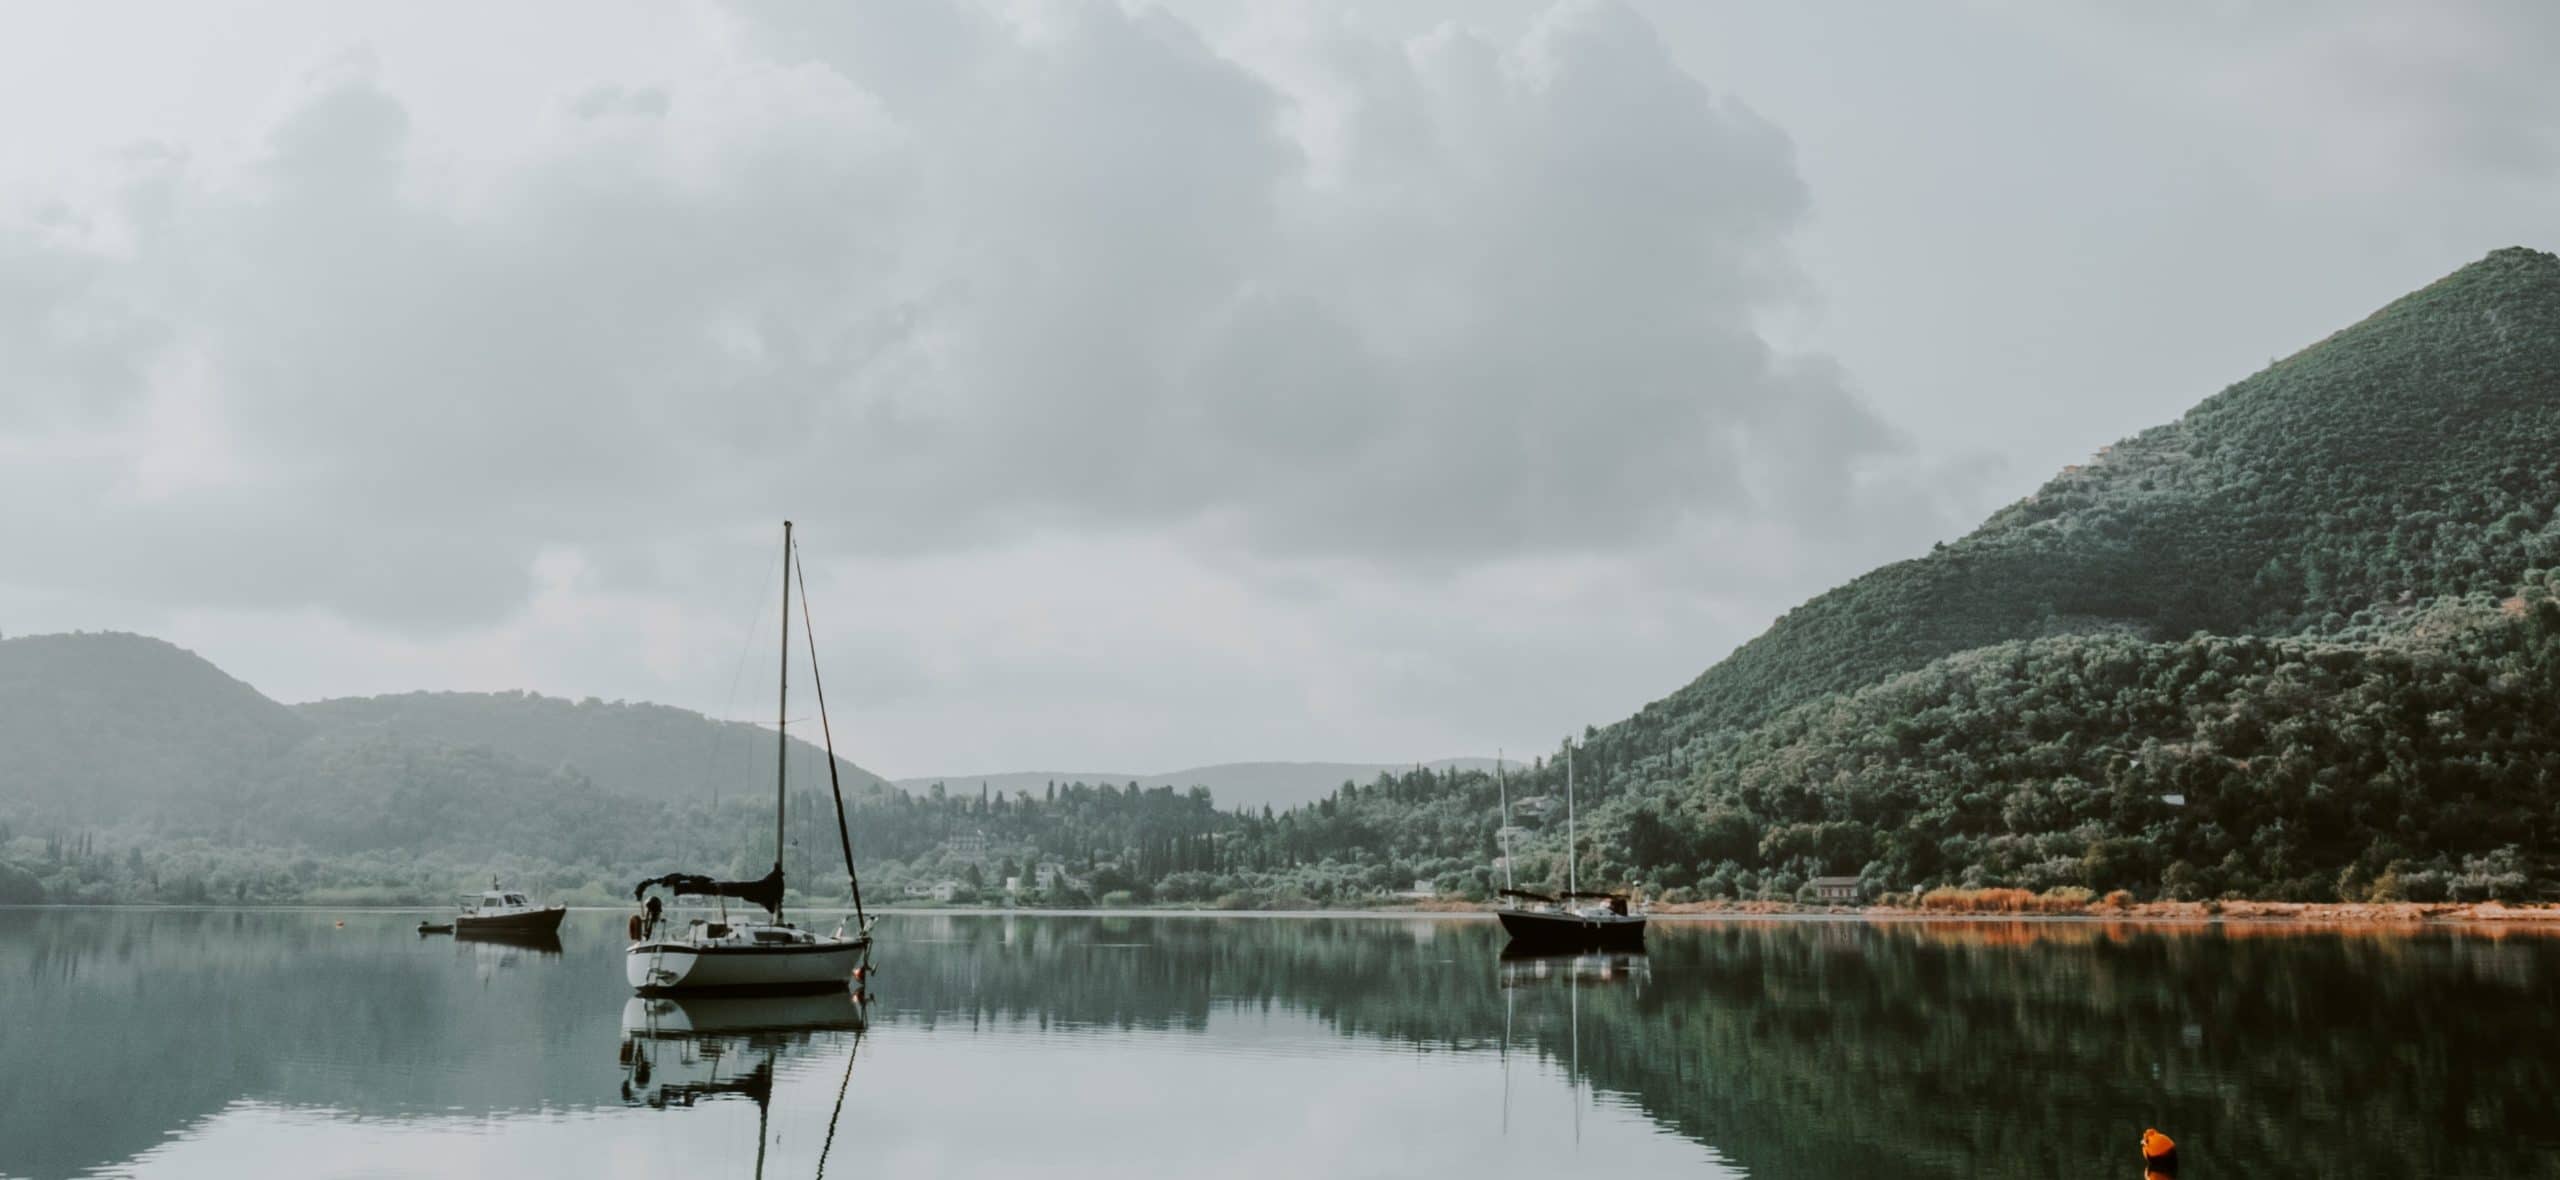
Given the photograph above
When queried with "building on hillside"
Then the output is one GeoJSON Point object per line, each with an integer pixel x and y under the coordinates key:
{"type": "Point", "coordinates": [946, 890]}
{"type": "Point", "coordinates": [971, 847]}
{"type": "Point", "coordinates": [919, 889]}
{"type": "Point", "coordinates": [1422, 891]}
{"type": "Point", "coordinates": [1835, 890]}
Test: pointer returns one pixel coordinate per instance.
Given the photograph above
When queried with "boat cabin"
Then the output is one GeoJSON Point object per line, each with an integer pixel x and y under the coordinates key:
{"type": "Point", "coordinates": [702, 933]}
{"type": "Point", "coordinates": [496, 903]}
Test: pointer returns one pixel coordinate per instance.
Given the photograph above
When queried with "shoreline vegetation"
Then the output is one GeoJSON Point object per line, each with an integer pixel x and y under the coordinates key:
{"type": "Point", "coordinates": [1985, 905]}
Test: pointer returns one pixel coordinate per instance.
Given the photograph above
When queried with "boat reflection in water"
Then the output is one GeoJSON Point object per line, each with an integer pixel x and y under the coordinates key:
{"type": "Point", "coordinates": [1529, 969]}
{"type": "Point", "coordinates": [677, 1052]}
{"type": "Point", "coordinates": [1525, 970]}
{"type": "Point", "coordinates": [541, 942]}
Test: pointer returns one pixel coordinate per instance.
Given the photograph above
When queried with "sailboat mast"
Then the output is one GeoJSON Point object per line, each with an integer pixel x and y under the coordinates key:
{"type": "Point", "coordinates": [1572, 855]}
{"type": "Point", "coordinates": [1504, 775]}
{"type": "Point", "coordinates": [782, 715]}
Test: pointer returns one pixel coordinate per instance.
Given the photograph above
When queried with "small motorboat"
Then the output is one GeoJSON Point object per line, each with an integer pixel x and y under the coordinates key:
{"type": "Point", "coordinates": [500, 911]}
{"type": "Point", "coordinates": [435, 927]}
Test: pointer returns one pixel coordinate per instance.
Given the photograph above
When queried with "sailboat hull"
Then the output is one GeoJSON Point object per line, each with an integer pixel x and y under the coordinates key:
{"type": "Point", "coordinates": [1546, 929]}
{"type": "Point", "coordinates": [682, 968]}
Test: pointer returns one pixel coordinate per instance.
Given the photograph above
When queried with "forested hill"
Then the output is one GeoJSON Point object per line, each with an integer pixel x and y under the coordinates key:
{"type": "Point", "coordinates": [112, 721]}
{"type": "Point", "coordinates": [104, 727]}
{"type": "Point", "coordinates": [654, 751]}
{"type": "Point", "coordinates": [2300, 642]}
{"type": "Point", "coordinates": [2411, 455]}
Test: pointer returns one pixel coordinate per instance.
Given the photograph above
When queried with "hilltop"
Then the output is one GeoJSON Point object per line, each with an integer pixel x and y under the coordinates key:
{"type": "Point", "coordinates": [108, 723]}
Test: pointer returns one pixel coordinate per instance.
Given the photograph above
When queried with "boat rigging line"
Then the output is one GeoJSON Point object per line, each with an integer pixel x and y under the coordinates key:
{"type": "Point", "coordinates": [835, 783]}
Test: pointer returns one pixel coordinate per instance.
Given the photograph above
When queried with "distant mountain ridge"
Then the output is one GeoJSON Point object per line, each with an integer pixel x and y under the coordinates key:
{"type": "Point", "coordinates": [105, 726]}
{"type": "Point", "coordinates": [1279, 785]}
{"type": "Point", "coordinates": [653, 751]}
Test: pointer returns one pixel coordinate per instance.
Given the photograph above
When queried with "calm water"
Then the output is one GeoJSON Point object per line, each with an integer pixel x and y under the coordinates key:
{"type": "Point", "coordinates": [211, 1044]}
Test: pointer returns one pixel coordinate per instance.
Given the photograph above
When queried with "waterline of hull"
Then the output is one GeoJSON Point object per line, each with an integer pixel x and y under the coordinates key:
{"type": "Point", "coordinates": [676, 968]}
{"type": "Point", "coordinates": [1536, 929]}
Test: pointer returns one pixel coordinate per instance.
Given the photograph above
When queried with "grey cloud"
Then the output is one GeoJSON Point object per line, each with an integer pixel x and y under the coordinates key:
{"type": "Point", "coordinates": [947, 278]}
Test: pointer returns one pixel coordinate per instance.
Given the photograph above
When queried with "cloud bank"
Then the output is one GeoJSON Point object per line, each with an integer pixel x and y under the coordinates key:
{"type": "Point", "coordinates": [938, 280]}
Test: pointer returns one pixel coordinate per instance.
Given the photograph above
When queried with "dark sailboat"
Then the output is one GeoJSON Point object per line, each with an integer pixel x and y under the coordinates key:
{"type": "Point", "coordinates": [1573, 920]}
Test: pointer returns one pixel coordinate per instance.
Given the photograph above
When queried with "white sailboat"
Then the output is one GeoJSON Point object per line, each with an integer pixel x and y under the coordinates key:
{"type": "Point", "coordinates": [772, 956]}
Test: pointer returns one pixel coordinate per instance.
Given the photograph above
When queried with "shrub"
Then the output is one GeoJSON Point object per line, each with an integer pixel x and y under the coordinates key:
{"type": "Point", "coordinates": [2065, 899]}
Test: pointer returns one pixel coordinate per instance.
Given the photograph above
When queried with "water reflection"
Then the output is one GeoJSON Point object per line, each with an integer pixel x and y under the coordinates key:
{"type": "Point", "coordinates": [1597, 968]}
{"type": "Point", "coordinates": [678, 1052]}
{"type": "Point", "coordinates": [169, 1042]}
{"type": "Point", "coordinates": [544, 942]}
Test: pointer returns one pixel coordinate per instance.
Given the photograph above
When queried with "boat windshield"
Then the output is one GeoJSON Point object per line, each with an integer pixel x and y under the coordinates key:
{"type": "Point", "coordinates": [515, 899]}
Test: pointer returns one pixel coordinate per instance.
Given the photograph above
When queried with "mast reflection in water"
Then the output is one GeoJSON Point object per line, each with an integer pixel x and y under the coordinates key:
{"type": "Point", "coordinates": [238, 1044]}
{"type": "Point", "coordinates": [677, 1052]}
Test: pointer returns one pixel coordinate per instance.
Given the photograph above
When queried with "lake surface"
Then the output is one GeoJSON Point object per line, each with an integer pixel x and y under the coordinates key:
{"type": "Point", "coordinates": [216, 1044]}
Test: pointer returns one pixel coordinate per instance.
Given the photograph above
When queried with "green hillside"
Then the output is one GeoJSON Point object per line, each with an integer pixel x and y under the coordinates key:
{"type": "Point", "coordinates": [2315, 606]}
{"type": "Point", "coordinates": [133, 770]}
{"type": "Point", "coordinates": [2409, 456]}
{"type": "Point", "coordinates": [106, 725]}
{"type": "Point", "coordinates": [633, 748]}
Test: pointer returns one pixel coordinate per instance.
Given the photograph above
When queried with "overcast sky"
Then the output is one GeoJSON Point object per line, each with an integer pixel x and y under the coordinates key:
{"type": "Point", "coordinates": [1153, 385]}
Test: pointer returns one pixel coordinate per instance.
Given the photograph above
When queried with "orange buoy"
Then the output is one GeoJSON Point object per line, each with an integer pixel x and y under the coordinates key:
{"type": "Point", "coordinates": [342, 923]}
{"type": "Point", "coordinates": [2159, 1152]}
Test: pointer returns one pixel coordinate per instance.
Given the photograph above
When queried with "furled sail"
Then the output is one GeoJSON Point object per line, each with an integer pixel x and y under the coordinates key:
{"type": "Point", "coordinates": [766, 891]}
